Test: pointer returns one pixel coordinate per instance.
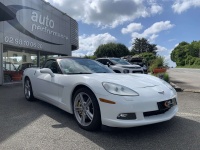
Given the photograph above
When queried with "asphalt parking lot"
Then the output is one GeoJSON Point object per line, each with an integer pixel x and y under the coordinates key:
{"type": "Point", "coordinates": [38, 125]}
{"type": "Point", "coordinates": [185, 78]}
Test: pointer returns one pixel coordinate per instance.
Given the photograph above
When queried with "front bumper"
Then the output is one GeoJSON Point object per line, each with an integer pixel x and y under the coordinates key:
{"type": "Point", "coordinates": [137, 105]}
{"type": "Point", "coordinates": [141, 120]}
{"type": "Point", "coordinates": [135, 70]}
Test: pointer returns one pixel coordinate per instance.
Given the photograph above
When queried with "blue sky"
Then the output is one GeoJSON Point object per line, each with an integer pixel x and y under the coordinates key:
{"type": "Point", "coordinates": [163, 22]}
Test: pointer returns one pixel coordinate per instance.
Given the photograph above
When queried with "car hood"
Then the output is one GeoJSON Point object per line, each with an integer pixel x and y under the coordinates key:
{"type": "Point", "coordinates": [128, 80]}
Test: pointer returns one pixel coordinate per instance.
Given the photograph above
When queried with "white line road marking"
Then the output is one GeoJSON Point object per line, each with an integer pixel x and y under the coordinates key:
{"type": "Point", "coordinates": [188, 114]}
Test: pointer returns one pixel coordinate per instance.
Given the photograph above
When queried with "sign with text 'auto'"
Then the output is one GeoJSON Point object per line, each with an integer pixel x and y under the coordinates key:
{"type": "Point", "coordinates": [37, 25]}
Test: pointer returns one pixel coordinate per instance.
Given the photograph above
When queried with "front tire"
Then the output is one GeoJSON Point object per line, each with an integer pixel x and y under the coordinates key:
{"type": "Point", "coordinates": [86, 110]}
{"type": "Point", "coordinates": [28, 92]}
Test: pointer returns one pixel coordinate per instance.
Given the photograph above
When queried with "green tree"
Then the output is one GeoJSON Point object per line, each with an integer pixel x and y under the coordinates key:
{"type": "Point", "coordinates": [179, 54]}
{"type": "Point", "coordinates": [141, 45]}
{"type": "Point", "coordinates": [112, 50]}
{"type": "Point", "coordinates": [152, 48]}
{"type": "Point", "coordinates": [194, 48]}
{"type": "Point", "coordinates": [186, 53]}
{"type": "Point", "coordinates": [148, 58]}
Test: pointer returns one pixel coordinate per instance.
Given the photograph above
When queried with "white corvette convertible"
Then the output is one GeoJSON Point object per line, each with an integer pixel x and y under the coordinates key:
{"type": "Point", "coordinates": [98, 96]}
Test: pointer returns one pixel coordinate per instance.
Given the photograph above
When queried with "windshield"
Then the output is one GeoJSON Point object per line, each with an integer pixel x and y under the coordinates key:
{"type": "Point", "coordinates": [120, 61]}
{"type": "Point", "coordinates": [9, 66]}
{"type": "Point", "coordinates": [82, 66]}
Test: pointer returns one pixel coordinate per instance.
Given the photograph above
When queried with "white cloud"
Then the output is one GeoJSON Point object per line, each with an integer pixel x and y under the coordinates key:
{"type": "Point", "coordinates": [78, 54]}
{"type": "Point", "coordinates": [176, 45]}
{"type": "Point", "coordinates": [168, 61]}
{"type": "Point", "coordinates": [132, 27]}
{"type": "Point", "coordinates": [156, 9]}
{"type": "Point", "coordinates": [153, 37]}
{"type": "Point", "coordinates": [89, 44]}
{"type": "Point", "coordinates": [180, 6]}
{"type": "Point", "coordinates": [152, 32]}
{"type": "Point", "coordinates": [106, 13]}
{"type": "Point", "coordinates": [172, 40]}
{"type": "Point", "coordinates": [166, 53]}
{"type": "Point", "coordinates": [161, 48]}
{"type": "Point", "coordinates": [158, 27]}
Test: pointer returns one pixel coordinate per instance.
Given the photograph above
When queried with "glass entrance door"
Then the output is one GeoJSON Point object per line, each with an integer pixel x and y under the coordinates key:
{"type": "Point", "coordinates": [15, 61]}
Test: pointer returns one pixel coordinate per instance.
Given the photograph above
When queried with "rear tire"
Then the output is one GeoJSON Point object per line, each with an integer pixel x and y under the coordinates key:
{"type": "Point", "coordinates": [28, 92]}
{"type": "Point", "coordinates": [86, 109]}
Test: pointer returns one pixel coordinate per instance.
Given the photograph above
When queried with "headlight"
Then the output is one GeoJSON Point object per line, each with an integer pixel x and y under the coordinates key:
{"type": "Point", "coordinates": [118, 89]}
{"type": "Point", "coordinates": [126, 71]}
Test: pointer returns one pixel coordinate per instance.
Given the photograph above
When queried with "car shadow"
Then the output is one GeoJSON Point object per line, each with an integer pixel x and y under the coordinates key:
{"type": "Point", "coordinates": [16, 113]}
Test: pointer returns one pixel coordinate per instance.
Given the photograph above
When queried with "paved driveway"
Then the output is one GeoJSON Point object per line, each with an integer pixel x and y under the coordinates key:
{"type": "Point", "coordinates": [187, 79]}
{"type": "Point", "coordinates": [38, 125]}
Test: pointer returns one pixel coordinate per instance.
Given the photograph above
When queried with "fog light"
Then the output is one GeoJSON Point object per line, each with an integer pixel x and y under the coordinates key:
{"type": "Point", "coordinates": [126, 116]}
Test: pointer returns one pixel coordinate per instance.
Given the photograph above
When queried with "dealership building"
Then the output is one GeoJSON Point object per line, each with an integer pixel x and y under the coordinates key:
{"type": "Point", "coordinates": [32, 31]}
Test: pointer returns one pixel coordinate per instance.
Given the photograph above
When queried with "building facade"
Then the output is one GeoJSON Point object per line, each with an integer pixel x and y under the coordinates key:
{"type": "Point", "coordinates": [30, 32]}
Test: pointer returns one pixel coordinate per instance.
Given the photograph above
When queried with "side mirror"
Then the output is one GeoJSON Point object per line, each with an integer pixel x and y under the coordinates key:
{"type": "Point", "coordinates": [47, 70]}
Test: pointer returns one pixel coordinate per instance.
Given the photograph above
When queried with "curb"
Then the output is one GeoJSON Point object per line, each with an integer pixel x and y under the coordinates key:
{"type": "Point", "coordinates": [178, 89]}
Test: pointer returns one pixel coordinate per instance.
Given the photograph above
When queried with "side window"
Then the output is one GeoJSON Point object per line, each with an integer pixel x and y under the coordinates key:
{"type": "Point", "coordinates": [106, 62]}
{"type": "Point", "coordinates": [52, 64]}
{"type": "Point", "coordinates": [103, 61]}
{"type": "Point", "coordinates": [100, 60]}
{"type": "Point", "coordinates": [47, 64]}
{"type": "Point", "coordinates": [54, 67]}
{"type": "Point", "coordinates": [110, 62]}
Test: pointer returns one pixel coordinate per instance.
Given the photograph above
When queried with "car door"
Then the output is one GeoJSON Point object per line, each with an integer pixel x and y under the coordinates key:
{"type": "Point", "coordinates": [48, 88]}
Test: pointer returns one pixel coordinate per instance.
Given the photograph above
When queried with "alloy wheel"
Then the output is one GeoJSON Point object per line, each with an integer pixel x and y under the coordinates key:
{"type": "Point", "coordinates": [83, 109]}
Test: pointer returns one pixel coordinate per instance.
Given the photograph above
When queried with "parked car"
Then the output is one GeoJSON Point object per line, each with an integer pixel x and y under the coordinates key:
{"type": "Point", "coordinates": [23, 66]}
{"type": "Point", "coordinates": [10, 72]}
{"type": "Point", "coordinates": [120, 65]}
{"type": "Point", "coordinates": [96, 95]}
{"type": "Point", "coordinates": [140, 62]}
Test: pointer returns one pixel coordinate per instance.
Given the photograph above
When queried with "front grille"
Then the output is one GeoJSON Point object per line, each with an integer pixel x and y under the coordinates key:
{"type": "Point", "coordinates": [137, 72]}
{"type": "Point", "coordinates": [157, 112]}
{"type": "Point", "coordinates": [162, 108]}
